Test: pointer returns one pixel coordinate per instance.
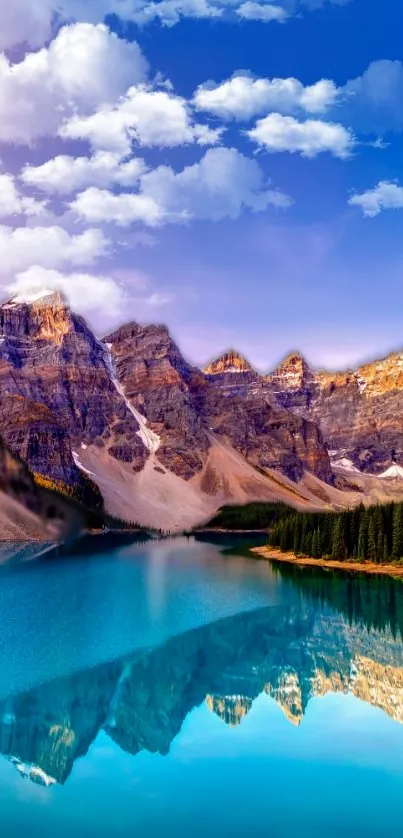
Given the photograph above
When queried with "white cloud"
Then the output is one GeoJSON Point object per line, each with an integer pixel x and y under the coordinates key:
{"type": "Point", "coordinates": [30, 21]}
{"type": "Point", "coordinates": [13, 203]}
{"type": "Point", "coordinates": [265, 12]}
{"type": "Point", "coordinates": [85, 66]}
{"type": "Point", "coordinates": [243, 97]}
{"type": "Point", "coordinates": [88, 294]}
{"type": "Point", "coordinates": [50, 247]}
{"type": "Point", "coordinates": [85, 292]}
{"type": "Point", "coordinates": [170, 12]}
{"type": "Point", "coordinates": [149, 117]}
{"type": "Point", "coordinates": [221, 185]}
{"type": "Point", "coordinates": [278, 133]}
{"type": "Point", "coordinates": [387, 195]}
{"type": "Point", "coordinates": [99, 206]}
{"type": "Point", "coordinates": [64, 174]}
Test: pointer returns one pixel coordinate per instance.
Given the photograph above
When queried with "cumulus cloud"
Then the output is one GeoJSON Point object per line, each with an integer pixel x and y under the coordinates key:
{"type": "Point", "coordinates": [148, 117]}
{"type": "Point", "coordinates": [50, 247]}
{"type": "Point", "coordinates": [265, 12]}
{"type": "Point", "coordinates": [243, 97]}
{"type": "Point", "coordinates": [85, 292]}
{"type": "Point", "coordinates": [387, 195]}
{"type": "Point", "coordinates": [13, 203]}
{"type": "Point", "coordinates": [221, 185]}
{"type": "Point", "coordinates": [277, 133]}
{"type": "Point", "coordinates": [83, 67]}
{"type": "Point", "coordinates": [64, 174]}
{"type": "Point", "coordinates": [100, 206]}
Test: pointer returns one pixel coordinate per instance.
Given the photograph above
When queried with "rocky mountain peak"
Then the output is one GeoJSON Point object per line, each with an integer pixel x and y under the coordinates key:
{"type": "Point", "coordinates": [294, 369]}
{"type": "Point", "coordinates": [230, 361]}
{"type": "Point", "coordinates": [42, 315]}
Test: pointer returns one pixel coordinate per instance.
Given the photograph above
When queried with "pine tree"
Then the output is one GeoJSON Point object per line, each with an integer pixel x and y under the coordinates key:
{"type": "Point", "coordinates": [371, 548]}
{"type": "Point", "coordinates": [283, 539]}
{"type": "Point", "coordinates": [385, 549]}
{"type": "Point", "coordinates": [397, 536]}
{"type": "Point", "coordinates": [315, 545]}
{"type": "Point", "coordinates": [379, 546]}
{"type": "Point", "coordinates": [319, 543]}
{"type": "Point", "coordinates": [362, 536]}
{"type": "Point", "coordinates": [337, 540]}
{"type": "Point", "coordinates": [353, 534]}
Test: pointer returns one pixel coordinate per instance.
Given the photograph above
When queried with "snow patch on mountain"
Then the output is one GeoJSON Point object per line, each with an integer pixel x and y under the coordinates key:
{"type": "Point", "coordinates": [79, 464]}
{"type": "Point", "coordinates": [150, 440]}
{"type": "Point", "coordinates": [393, 472]}
{"type": "Point", "coordinates": [346, 463]}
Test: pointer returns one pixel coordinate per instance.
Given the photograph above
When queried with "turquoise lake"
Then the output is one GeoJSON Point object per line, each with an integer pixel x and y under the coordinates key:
{"type": "Point", "coordinates": [177, 687]}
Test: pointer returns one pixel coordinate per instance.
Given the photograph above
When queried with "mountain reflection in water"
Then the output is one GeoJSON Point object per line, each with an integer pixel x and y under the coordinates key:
{"type": "Point", "coordinates": [340, 634]}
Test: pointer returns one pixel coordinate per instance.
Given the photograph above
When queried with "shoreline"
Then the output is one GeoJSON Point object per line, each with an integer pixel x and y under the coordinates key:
{"type": "Point", "coordinates": [331, 564]}
{"type": "Point", "coordinates": [230, 531]}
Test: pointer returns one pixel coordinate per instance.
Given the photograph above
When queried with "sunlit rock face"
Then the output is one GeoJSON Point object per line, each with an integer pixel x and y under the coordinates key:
{"type": "Point", "coordinates": [234, 375]}
{"type": "Point", "coordinates": [230, 362]}
{"type": "Point", "coordinates": [358, 411]}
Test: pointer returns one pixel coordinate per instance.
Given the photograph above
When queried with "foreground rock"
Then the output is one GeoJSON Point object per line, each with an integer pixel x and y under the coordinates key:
{"type": "Point", "coordinates": [29, 512]}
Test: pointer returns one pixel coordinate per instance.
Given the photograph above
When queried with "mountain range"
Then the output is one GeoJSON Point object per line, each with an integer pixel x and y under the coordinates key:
{"type": "Point", "coordinates": [167, 444]}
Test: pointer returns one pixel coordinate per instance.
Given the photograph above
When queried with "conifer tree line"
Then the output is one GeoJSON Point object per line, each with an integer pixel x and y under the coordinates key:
{"type": "Point", "coordinates": [371, 534]}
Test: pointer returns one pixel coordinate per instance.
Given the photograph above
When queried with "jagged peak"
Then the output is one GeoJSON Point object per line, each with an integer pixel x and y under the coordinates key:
{"type": "Point", "coordinates": [230, 361]}
{"type": "Point", "coordinates": [294, 359]}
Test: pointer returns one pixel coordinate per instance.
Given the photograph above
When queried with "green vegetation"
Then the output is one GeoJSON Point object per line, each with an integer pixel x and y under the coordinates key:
{"type": "Point", "coordinates": [373, 534]}
{"type": "Point", "coordinates": [252, 516]}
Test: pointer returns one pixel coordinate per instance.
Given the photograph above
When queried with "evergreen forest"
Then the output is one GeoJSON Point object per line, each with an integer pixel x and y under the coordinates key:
{"type": "Point", "coordinates": [373, 534]}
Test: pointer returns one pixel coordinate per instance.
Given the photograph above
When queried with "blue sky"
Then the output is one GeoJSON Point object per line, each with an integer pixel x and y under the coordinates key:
{"type": "Point", "coordinates": [236, 178]}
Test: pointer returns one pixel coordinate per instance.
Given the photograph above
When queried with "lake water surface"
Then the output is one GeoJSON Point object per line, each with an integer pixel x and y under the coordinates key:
{"type": "Point", "coordinates": [171, 687]}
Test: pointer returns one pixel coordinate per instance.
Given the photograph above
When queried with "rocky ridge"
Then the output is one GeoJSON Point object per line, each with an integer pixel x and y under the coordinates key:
{"type": "Point", "coordinates": [358, 411]}
{"type": "Point", "coordinates": [167, 443]}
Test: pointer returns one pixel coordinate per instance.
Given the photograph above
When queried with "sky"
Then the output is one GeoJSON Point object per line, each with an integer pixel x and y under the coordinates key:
{"type": "Point", "coordinates": [231, 168]}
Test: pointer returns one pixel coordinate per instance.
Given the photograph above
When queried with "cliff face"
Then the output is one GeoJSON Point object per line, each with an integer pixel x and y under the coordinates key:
{"type": "Point", "coordinates": [186, 408]}
{"type": "Point", "coordinates": [358, 411]}
{"type": "Point", "coordinates": [166, 390]}
{"type": "Point", "coordinates": [57, 372]}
